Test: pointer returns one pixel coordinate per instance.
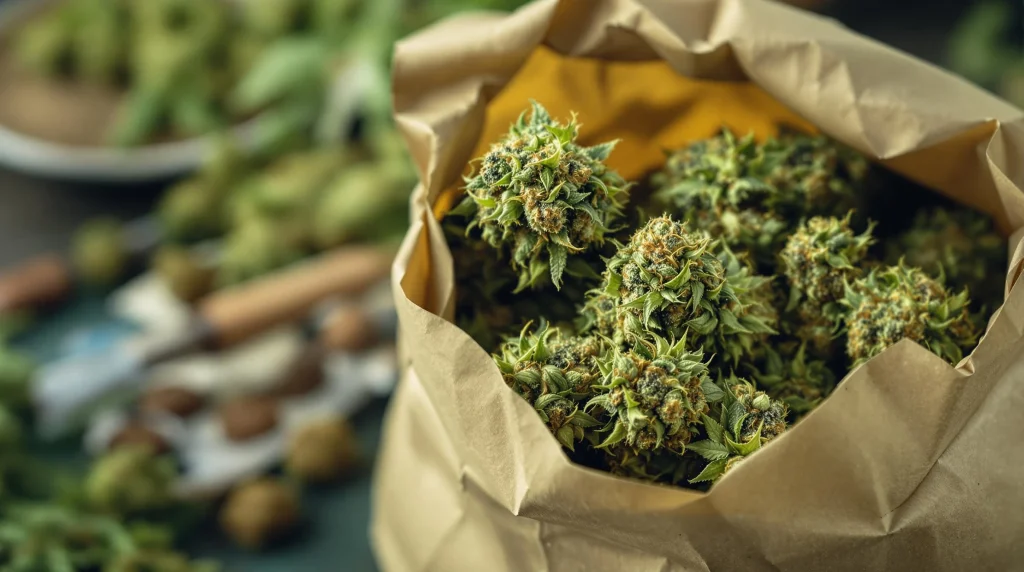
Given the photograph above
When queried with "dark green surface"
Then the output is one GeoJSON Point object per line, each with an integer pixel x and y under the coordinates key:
{"type": "Point", "coordinates": [335, 537]}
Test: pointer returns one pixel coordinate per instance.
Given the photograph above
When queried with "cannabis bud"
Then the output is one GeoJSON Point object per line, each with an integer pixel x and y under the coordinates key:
{"type": "Point", "coordinates": [668, 281]}
{"type": "Point", "coordinates": [543, 197]}
{"type": "Point", "coordinates": [99, 252]}
{"type": "Point", "coordinates": [130, 480]}
{"type": "Point", "coordinates": [184, 273]}
{"type": "Point", "coordinates": [748, 419]}
{"type": "Point", "coordinates": [896, 302]}
{"type": "Point", "coordinates": [259, 512]}
{"type": "Point", "coordinates": [655, 395]}
{"type": "Point", "coordinates": [323, 451]}
{"type": "Point", "coordinates": [960, 244]}
{"type": "Point", "coordinates": [799, 383]}
{"type": "Point", "coordinates": [818, 260]}
{"type": "Point", "coordinates": [551, 371]}
{"type": "Point", "coordinates": [821, 257]}
{"type": "Point", "coordinates": [747, 194]}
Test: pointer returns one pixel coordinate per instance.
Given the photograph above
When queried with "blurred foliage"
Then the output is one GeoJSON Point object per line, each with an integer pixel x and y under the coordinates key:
{"type": "Point", "coordinates": [984, 48]}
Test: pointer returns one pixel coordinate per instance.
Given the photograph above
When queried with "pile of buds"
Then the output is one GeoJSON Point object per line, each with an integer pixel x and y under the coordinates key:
{"type": "Point", "coordinates": [241, 217]}
{"type": "Point", "coordinates": [673, 347]}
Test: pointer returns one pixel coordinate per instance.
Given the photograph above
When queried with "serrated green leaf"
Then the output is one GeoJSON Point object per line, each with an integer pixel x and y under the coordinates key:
{"type": "Point", "coordinates": [712, 392]}
{"type": "Point", "coordinates": [565, 437]}
{"type": "Point", "coordinates": [617, 435]}
{"type": "Point", "coordinates": [711, 472]}
{"type": "Point", "coordinates": [709, 449]}
{"type": "Point", "coordinates": [559, 258]}
{"type": "Point", "coordinates": [714, 429]}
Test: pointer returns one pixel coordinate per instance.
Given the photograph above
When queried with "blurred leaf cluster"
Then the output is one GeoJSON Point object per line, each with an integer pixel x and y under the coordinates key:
{"type": "Point", "coordinates": [985, 47]}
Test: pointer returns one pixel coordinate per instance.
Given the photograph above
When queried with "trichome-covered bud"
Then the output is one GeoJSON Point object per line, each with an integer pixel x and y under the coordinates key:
{"type": "Point", "coordinates": [99, 252]}
{"type": "Point", "coordinates": [801, 384]}
{"type": "Point", "coordinates": [552, 370]}
{"type": "Point", "coordinates": [669, 281]}
{"type": "Point", "coordinates": [544, 199]}
{"type": "Point", "coordinates": [960, 244]}
{"type": "Point", "coordinates": [821, 177]}
{"type": "Point", "coordinates": [654, 395]}
{"type": "Point", "coordinates": [896, 302]}
{"type": "Point", "coordinates": [130, 480]}
{"type": "Point", "coordinates": [749, 194]}
{"type": "Point", "coordinates": [747, 419]}
{"type": "Point", "coordinates": [821, 257]}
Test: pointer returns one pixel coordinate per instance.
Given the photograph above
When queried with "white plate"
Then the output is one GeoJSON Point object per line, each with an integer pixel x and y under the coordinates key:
{"type": "Point", "coordinates": [99, 164]}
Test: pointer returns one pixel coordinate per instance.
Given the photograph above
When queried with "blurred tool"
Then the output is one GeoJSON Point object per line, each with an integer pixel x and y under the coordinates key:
{"type": "Point", "coordinates": [65, 390]}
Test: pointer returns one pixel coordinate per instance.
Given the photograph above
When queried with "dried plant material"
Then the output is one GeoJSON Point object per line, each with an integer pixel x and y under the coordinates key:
{"type": "Point", "coordinates": [554, 373]}
{"type": "Point", "coordinates": [260, 512]}
{"type": "Point", "coordinates": [323, 451]}
{"type": "Point", "coordinates": [790, 377]}
{"type": "Point", "coordinates": [544, 199]}
{"type": "Point", "coordinates": [674, 282]}
{"type": "Point", "coordinates": [750, 194]}
{"type": "Point", "coordinates": [897, 302]}
{"type": "Point", "coordinates": [959, 246]}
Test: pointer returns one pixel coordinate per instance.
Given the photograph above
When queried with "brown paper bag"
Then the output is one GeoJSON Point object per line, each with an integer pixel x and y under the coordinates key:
{"type": "Point", "coordinates": [910, 465]}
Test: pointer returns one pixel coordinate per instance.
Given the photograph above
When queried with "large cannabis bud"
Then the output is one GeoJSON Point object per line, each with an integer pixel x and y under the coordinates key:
{"type": "Point", "coordinates": [821, 257]}
{"type": "Point", "coordinates": [818, 260]}
{"type": "Point", "coordinates": [747, 419]}
{"type": "Point", "coordinates": [961, 244]}
{"type": "Point", "coordinates": [668, 281]}
{"type": "Point", "coordinates": [896, 302]}
{"type": "Point", "coordinates": [543, 197]}
{"type": "Point", "coordinates": [801, 384]}
{"type": "Point", "coordinates": [655, 396]}
{"type": "Point", "coordinates": [552, 371]}
{"type": "Point", "coordinates": [749, 195]}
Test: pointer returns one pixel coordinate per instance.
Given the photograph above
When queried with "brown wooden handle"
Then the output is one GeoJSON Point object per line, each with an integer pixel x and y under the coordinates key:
{"type": "Point", "coordinates": [236, 314]}
{"type": "Point", "coordinates": [34, 283]}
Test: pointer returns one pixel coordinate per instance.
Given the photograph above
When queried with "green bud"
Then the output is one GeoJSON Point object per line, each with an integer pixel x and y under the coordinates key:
{"type": "Point", "coordinates": [960, 245]}
{"type": "Point", "coordinates": [99, 252]}
{"type": "Point", "coordinates": [750, 194]}
{"type": "Point", "coordinates": [896, 302]}
{"type": "Point", "coordinates": [130, 480]}
{"type": "Point", "coordinates": [668, 281]}
{"type": "Point", "coordinates": [191, 210]}
{"type": "Point", "coordinates": [183, 272]}
{"type": "Point", "coordinates": [747, 420]}
{"type": "Point", "coordinates": [654, 396]}
{"type": "Point", "coordinates": [545, 199]}
{"type": "Point", "coordinates": [552, 371]}
{"type": "Point", "coordinates": [822, 256]}
{"type": "Point", "coordinates": [789, 377]}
